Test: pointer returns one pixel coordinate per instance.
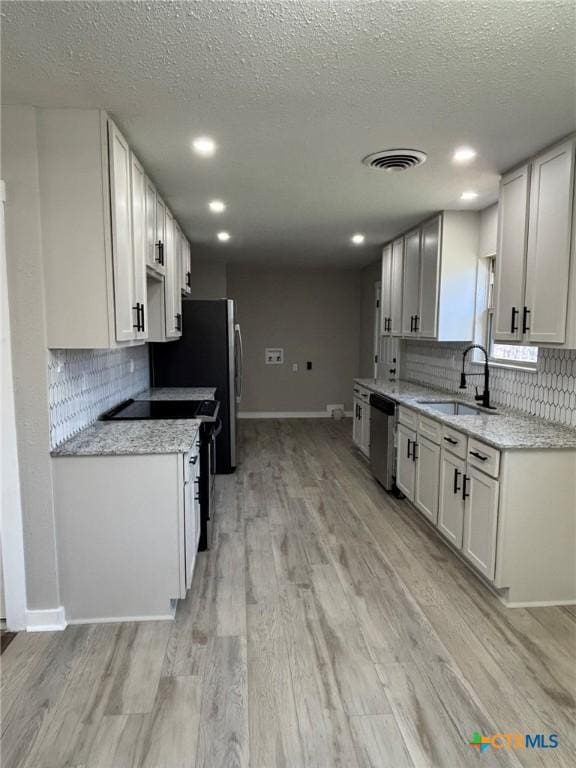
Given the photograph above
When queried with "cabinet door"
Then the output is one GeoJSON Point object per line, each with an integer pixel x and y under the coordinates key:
{"type": "Point", "coordinates": [405, 466]}
{"type": "Point", "coordinates": [119, 158]}
{"type": "Point", "coordinates": [386, 284]}
{"type": "Point", "coordinates": [191, 519]}
{"type": "Point", "coordinates": [481, 521]}
{"type": "Point", "coordinates": [451, 507]}
{"type": "Point", "coordinates": [511, 254]}
{"type": "Point", "coordinates": [152, 250]}
{"type": "Point", "coordinates": [160, 234]}
{"type": "Point", "coordinates": [429, 273]}
{"type": "Point", "coordinates": [357, 424]}
{"type": "Point", "coordinates": [395, 323]}
{"type": "Point", "coordinates": [186, 266]}
{"type": "Point", "coordinates": [139, 242]}
{"type": "Point", "coordinates": [548, 262]}
{"type": "Point", "coordinates": [365, 429]}
{"type": "Point", "coordinates": [411, 283]}
{"type": "Point", "coordinates": [427, 478]}
{"type": "Point", "coordinates": [173, 297]}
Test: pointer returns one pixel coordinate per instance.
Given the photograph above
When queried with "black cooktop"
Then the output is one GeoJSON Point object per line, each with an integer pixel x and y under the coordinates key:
{"type": "Point", "coordinates": [129, 410]}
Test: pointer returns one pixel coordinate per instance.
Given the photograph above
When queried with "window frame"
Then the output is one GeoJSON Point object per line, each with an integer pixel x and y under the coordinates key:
{"type": "Point", "coordinates": [485, 311]}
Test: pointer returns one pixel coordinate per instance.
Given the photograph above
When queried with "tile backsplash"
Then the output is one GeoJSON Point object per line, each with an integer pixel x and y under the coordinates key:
{"type": "Point", "coordinates": [548, 392]}
{"type": "Point", "coordinates": [83, 383]}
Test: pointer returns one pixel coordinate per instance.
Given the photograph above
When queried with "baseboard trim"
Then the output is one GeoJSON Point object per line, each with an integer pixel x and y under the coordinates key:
{"type": "Point", "coordinates": [119, 619]}
{"type": "Point", "coordinates": [288, 414]}
{"type": "Point", "coordinates": [535, 603]}
{"type": "Point", "coordinates": [47, 620]}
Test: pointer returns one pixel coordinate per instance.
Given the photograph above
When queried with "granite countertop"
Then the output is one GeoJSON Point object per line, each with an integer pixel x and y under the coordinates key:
{"type": "Point", "coordinates": [508, 429]}
{"type": "Point", "coordinates": [116, 438]}
{"type": "Point", "coordinates": [177, 393]}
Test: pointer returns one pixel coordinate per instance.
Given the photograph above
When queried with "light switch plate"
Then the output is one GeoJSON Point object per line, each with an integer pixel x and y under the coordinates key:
{"type": "Point", "coordinates": [274, 356]}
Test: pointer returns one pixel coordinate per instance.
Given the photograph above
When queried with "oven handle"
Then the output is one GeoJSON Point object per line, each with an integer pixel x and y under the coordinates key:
{"type": "Point", "coordinates": [217, 429]}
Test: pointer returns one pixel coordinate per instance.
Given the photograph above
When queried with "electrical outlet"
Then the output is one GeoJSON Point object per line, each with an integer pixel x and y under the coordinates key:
{"type": "Point", "coordinates": [295, 367]}
{"type": "Point", "coordinates": [274, 356]}
{"type": "Point", "coordinates": [335, 407]}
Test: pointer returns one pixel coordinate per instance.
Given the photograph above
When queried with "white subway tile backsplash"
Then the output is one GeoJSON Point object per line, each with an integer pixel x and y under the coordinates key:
{"type": "Point", "coordinates": [83, 383]}
{"type": "Point", "coordinates": [548, 392]}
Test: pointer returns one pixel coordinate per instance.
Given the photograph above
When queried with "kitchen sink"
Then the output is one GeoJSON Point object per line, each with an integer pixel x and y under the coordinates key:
{"type": "Point", "coordinates": [457, 408]}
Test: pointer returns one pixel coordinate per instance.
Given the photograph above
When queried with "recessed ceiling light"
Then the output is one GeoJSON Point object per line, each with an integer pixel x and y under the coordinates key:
{"type": "Point", "coordinates": [217, 206]}
{"type": "Point", "coordinates": [204, 146]}
{"type": "Point", "coordinates": [223, 236]}
{"type": "Point", "coordinates": [358, 239]}
{"type": "Point", "coordinates": [464, 155]}
{"type": "Point", "coordinates": [470, 195]}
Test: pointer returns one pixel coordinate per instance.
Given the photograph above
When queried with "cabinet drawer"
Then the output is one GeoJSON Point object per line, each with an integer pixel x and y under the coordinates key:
{"type": "Point", "coordinates": [483, 457]}
{"type": "Point", "coordinates": [408, 418]}
{"type": "Point", "coordinates": [430, 429]}
{"type": "Point", "coordinates": [361, 393]}
{"type": "Point", "coordinates": [454, 441]}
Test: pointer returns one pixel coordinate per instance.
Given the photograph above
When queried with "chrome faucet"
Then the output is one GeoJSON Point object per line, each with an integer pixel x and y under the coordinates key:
{"type": "Point", "coordinates": [484, 398]}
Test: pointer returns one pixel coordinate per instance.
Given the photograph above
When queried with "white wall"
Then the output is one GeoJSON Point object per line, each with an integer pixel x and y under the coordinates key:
{"type": "Point", "coordinates": [29, 355]}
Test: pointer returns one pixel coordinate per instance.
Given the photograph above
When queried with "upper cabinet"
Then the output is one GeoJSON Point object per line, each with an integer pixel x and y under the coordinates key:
{"type": "Point", "coordinates": [186, 258]}
{"type": "Point", "coordinates": [392, 261]}
{"type": "Point", "coordinates": [103, 228]}
{"type": "Point", "coordinates": [535, 268]}
{"type": "Point", "coordinates": [429, 279]}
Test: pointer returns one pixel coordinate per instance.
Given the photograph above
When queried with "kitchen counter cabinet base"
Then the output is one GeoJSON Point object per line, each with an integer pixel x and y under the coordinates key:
{"type": "Point", "coordinates": [120, 529]}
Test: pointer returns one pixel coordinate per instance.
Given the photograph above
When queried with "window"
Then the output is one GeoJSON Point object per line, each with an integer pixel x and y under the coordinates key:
{"type": "Point", "coordinates": [506, 354]}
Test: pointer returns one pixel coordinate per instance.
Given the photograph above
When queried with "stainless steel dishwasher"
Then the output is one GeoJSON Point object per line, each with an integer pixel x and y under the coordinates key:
{"type": "Point", "coordinates": [382, 460]}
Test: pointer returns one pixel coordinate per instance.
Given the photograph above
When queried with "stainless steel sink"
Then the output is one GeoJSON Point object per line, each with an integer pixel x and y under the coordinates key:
{"type": "Point", "coordinates": [457, 408]}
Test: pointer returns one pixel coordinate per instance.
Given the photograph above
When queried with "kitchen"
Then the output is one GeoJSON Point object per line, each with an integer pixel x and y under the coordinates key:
{"type": "Point", "coordinates": [289, 409]}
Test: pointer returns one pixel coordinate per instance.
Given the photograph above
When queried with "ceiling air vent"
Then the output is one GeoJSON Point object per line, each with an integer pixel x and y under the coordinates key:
{"type": "Point", "coordinates": [394, 160]}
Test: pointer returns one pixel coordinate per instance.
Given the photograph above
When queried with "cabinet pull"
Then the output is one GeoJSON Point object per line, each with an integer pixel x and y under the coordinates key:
{"type": "Point", "coordinates": [414, 454]}
{"type": "Point", "coordinates": [416, 323]}
{"type": "Point", "coordinates": [525, 326]}
{"type": "Point", "coordinates": [137, 308]}
{"type": "Point", "coordinates": [194, 459]}
{"type": "Point", "coordinates": [178, 317]}
{"type": "Point", "coordinates": [513, 325]}
{"type": "Point", "coordinates": [456, 473]}
{"type": "Point", "coordinates": [411, 323]}
{"type": "Point", "coordinates": [408, 455]}
{"type": "Point", "coordinates": [142, 325]}
{"type": "Point", "coordinates": [465, 479]}
{"type": "Point", "coordinates": [451, 440]}
{"type": "Point", "coordinates": [160, 257]}
{"type": "Point", "coordinates": [478, 455]}
{"type": "Point", "coordinates": [188, 280]}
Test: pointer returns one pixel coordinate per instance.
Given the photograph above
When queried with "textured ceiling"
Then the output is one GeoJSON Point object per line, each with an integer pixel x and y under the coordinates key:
{"type": "Point", "coordinates": [295, 93]}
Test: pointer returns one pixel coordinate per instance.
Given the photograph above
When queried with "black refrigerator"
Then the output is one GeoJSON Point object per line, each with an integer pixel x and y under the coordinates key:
{"type": "Point", "coordinates": [209, 354]}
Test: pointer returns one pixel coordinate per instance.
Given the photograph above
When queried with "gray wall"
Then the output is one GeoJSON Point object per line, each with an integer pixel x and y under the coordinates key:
{"type": "Point", "coordinates": [314, 315]}
{"type": "Point", "coordinates": [370, 275]}
{"type": "Point", "coordinates": [208, 279]}
{"type": "Point", "coordinates": [28, 330]}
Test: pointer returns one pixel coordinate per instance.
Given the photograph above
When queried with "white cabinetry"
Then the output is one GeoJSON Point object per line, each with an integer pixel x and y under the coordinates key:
{"type": "Point", "coordinates": [439, 278]}
{"type": "Point", "coordinates": [139, 247]}
{"type": "Point", "coordinates": [186, 282]}
{"type": "Point", "coordinates": [427, 458]}
{"type": "Point", "coordinates": [173, 294]}
{"type": "Point", "coordinates": [480, 520]}
{"type": "Point", "coordinates": [127, 531]}
{"type": "Point", "coordinates": [406, 465]}
{"type": "Point", "coordinates": [101, 223]}
{"type": "Point", "coordinates": [392, 274]}
{"type": "Point", "coordinates": [451, 511]}
{"type": "Point", "coordinates": [361, 419]}
{"type": "Point", "coordinates": [535, 275]}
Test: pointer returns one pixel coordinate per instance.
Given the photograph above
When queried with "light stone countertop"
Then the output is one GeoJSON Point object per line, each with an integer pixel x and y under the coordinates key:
{"type": "Point", "coordinates": [116, 438]}
{"type": "Point", "coordinates": [507, 430]}
{"type": "Point", "coordinates": [177, 393]}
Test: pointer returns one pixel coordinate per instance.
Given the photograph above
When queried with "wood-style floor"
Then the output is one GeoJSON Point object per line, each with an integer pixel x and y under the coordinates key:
{"type": "Point", "coordinates": [326, 628]}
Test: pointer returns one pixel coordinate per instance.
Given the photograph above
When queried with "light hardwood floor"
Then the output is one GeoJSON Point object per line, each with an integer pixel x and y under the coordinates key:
{"type": "Point", "coordinates": [326, 628]}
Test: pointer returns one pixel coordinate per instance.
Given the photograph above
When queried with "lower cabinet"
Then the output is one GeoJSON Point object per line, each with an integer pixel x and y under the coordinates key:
{"type": "Point", "coordinates": [480, 520]}
{"type": "Point", "coordinates": [406, 466]}
{"type": "Point", "coordinates": [451, 512]}
{"type": "Point", "coordinates": [127, 534]}
{"type": "Point", "coordinates": [361, 420]}
{"type": "Point", "coordinates": [427, 461]}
